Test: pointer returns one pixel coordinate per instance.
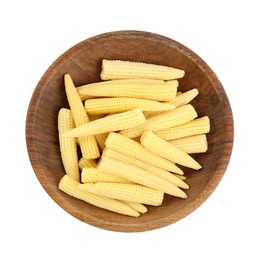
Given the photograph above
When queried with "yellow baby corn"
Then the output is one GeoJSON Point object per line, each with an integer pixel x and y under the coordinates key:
{"type": "Point", "coordinates": [68, 147]}
{"type": "Point", "coordinates": [117, 105]}
{"type": "Point", "coordinates": [184, 98]}
{"type": "Point", "coordinates": [194, 127]}
{"type": "Point", "coordinates": [164, 120]}
{"type": "Point", "coordinates": [167, 150]}
{"type": "Point", "coordinates": [70, 186]}
{"type": "Point", "coordinates": [180, 100]}
{"type": "Point", "coordinates": [136, 206]}
{"type": "Point", "coordinates": [87, 163]}
{"type": "Point", "coordinates": [88, 145]}
{"type": "Point", "coordinates": [117, 69]}
{"type": "Point", "coordinates": [157, 91]}
{"type": "Point", "coordinates": [125, 191]}
{"type": "Point", "coordinates": [92, 175]}
{"type": "Point", "coordinates": [146, 166]}
{"type": "Point", "coordinates": [192, 144]}
{"type": "Point", "coordinates": [101, 139]}
{"type": "Point", "coordinates": [108, 124]}
{"type": "Point", "coordinates": [129, 147]}
{"type": "Point", "coordinates": [181, 177]}
{"type": "Point", "coordinates": [139, 176]}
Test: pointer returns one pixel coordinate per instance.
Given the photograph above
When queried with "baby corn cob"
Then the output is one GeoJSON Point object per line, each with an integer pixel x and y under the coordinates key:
{"type": "Point", "coordinates": [139, 176]}
{"type": "Point", "coordinates": [146, 166]}
{"type": "Point", "coordinates": [70, 186]}
{"type": "Point", "coordinates": [194, 127]}
{"type": "Point", "coordinates": [117, 69]}
{"type": "Point", "coordinates": [92, 175]}
{"type": "Point", "coordinates": [101, 139]}
{"type": "Point", "coordinates": [180, 100]}
{"type": "Point", "coordinates": [125, 191]}
{"type": "Point", "coordinates": [136, 206]}
{"type": "Point", "coordinates": [87, 163]}
{"type": "Point", "coordinates": [184, 98]}
{"type": "Point", "coordinates": [181, 177]}
{"type": "Point", "coordinates": [192, 144]}
{"type": "Point", "coordinates": [129, 147]}
{"type": "Point", "coordinates": [88, 145]}
{"type": "Point", "coordinates": [167, 150]}
{"type": "Point", "coordinates": [68, 147]}
{"type": "Point", "coordinates": [116, 105]}
{"type": "Point", "coordinates": [164, 120]}
{"type": "Point", "coordinates": [108, 124]}
{"type": "Point", "coordinates": [157, 91]}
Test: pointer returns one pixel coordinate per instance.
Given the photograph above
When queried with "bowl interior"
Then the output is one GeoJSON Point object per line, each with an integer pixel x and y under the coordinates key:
{"type": "Point", "coordinates": [83, 62]}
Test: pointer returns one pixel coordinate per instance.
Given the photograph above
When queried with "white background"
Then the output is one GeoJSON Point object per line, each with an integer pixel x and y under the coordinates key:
{"type": "Point", "coordinates": [224, 33]}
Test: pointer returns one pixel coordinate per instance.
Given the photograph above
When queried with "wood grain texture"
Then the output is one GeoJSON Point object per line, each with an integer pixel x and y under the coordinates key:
{"type": "Point", "coordinates": [83, 62]}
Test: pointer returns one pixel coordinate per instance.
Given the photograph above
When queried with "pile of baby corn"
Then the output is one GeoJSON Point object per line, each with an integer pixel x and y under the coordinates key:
{"type": "Point", "coordinates": [133, 129]}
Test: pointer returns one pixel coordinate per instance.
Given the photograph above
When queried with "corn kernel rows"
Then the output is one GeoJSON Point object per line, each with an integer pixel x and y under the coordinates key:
{"type": "Point", "coordinates": [141, 102]}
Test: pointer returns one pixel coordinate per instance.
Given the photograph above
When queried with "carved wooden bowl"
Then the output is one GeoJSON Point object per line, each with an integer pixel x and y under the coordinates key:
{"type": "Point", "coordinates": [83, 62]}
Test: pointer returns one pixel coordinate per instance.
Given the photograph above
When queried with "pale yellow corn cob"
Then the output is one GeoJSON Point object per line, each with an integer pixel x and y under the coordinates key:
{"type": "Point", "coordinates": [146, 166]}
{"type": "Point", "coordinates": [136, 206]}
{"type": "Point", "coordinates": [181, 177]}
{"type": "Point", "coordinates": [125, 191]}
{"type": "Point", "coordinates": [164, 120]}
{"type": "Point", "coordinates": [180, 100]}
{"type": "Point", "coordinates": [117, 69]}
{"type": "Point", "coordinates": [68, 147]}
{"type": "Point", "coordinates": [88, 145]}
{"type": "Point", "coordinates": [161, 147]}
{"type": "Point", "coordinates": [139, 176]}
{"type": "Point", "coordinates": [111, 123]}
{"type": "Point", "coordinates": [194, 127]}
{"type": "Point", "coordinates": [117, 105]}
{"type": "Point", "coordinates": [129, 147]}
{"type": "Point", "coordinates": [87, 163]}
{"type": "Point", "coordinates": [184, 98]}
{"type": "Point", "coordinates": [159, 91]}
{"type": "Point", "coordinates": [92, 175]}
{"type": "Point", "coordinates": [192, 144]}
{"type": "Point", "coordinates": [83, 93]}
{"type": "Point", "coordinates": [70, 186]}
{"type": "Point", "coordinates": [101, 139]}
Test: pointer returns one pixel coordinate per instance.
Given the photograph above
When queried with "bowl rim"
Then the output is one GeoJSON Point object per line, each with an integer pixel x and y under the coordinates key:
{"type": "Point", "coordinates": [162, 222]}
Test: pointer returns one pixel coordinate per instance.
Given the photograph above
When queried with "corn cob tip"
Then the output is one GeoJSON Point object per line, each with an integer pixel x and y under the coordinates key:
{"type": "Point", "coordinates": [119, 69]}
{"type": "Point", "coordinates": [145, 137]}
{"type": "Point", "coordinates": [67, 135]}
{"type": "Point", "coordinates": [110, 136]}
{"type": "Point", "coordinates": [136, 206]}
{"type": "Point", "coordinates": [167, 150]}
{"type": "Point", "coordinates": [185, 196]}
{"type": "Point", "coordinates": [67, 77]}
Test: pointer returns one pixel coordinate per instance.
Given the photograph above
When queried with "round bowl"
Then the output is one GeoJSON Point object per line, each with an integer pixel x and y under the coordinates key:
{"type": "Point", "coordinates": [83, 62]}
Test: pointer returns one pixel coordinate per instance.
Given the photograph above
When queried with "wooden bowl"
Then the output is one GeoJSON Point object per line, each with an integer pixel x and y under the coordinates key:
{"type": "Point", "coordinates": [83, 62]}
